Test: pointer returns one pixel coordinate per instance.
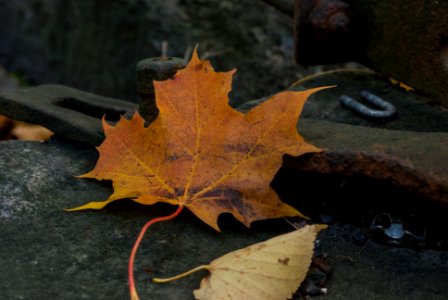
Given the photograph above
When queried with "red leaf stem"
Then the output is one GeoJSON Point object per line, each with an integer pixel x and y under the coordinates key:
{"type": "Point", "coordinates": [132, 289]}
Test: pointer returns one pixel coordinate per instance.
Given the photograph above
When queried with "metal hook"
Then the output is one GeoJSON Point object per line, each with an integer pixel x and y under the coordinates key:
{"type": "Point", "coordinates": [387, 109]}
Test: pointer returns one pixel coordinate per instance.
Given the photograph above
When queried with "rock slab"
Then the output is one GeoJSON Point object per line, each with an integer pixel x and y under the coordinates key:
{"type": "Point", "coordinates": [47, 253]}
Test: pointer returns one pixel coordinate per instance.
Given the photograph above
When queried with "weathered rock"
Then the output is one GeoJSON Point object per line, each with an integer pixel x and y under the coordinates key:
{"type": "Point", "coordinates": [51, 254]}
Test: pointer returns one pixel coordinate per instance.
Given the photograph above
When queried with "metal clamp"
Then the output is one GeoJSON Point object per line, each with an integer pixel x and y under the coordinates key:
{"type": "Point", "coordinates": [70, 113]}
{"type": "Point", "coordinates": [387, 109]}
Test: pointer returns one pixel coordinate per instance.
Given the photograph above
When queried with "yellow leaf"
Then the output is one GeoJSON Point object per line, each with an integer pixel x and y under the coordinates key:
{"type": "Point", "coordinates": [270, 270]}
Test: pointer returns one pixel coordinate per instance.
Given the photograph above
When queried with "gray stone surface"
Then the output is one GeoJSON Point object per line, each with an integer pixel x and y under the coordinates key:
{"type": "Point", "coordinates": [47, 253]}
{"type": "Point", "coordinates": [51, 254]}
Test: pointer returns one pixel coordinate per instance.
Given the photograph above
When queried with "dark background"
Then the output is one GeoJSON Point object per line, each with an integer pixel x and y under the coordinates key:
{"type": "Point", "coordinates": [95, 45]}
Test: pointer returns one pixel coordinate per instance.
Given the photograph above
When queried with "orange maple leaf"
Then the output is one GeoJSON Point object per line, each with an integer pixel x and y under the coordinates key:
{"type": "Point", "coordinates": [201, 153]}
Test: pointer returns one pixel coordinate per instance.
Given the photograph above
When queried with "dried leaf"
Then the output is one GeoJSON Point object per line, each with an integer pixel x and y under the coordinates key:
{"type": "Point", "coordinates": [11, 129]}
{"type": "Point", "coordinates": [202, 154]}
{"type": "Point", "coordinates": [271, 270]}
{"type": "Point", "coordinates": [31, 132]}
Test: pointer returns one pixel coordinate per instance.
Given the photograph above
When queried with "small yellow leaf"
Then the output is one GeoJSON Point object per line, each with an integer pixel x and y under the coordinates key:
{"type": "Point", "coordinates": [271, 270]}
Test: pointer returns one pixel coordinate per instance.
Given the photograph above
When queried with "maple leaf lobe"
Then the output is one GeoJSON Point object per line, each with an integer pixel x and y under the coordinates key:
{"type": "Point", "coordinates": [200, 152]}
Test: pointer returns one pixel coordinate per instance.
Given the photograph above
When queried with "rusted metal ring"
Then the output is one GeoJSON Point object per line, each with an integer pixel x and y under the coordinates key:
{"type": "Point", "coordinates": [387, 110]}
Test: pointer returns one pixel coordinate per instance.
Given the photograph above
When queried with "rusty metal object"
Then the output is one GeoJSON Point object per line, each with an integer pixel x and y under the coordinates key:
{"type": "Point", "coordinates": [70, 113]}
{"type": "Point", "coordinates": [148, 70]}
{"type": "Point", "coordinates": [392, 155]}
{"type": "Point", "coordinates": [405, 40]}
{"type": "Point", "coordinates": [76, 115]}
{"type": "Point", "coordinates": [320, 27]}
